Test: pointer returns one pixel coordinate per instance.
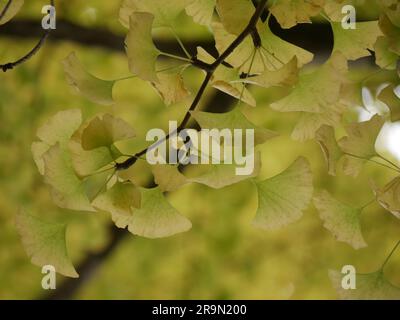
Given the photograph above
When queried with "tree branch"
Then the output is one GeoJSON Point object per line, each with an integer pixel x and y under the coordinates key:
{"type": "Point", "coordinates": [10, 65]}
{"type": "Point", "coordinates": [245, 33]}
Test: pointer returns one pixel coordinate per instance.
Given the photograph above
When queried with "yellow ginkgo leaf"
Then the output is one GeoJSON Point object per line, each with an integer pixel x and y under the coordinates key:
{"type": "Point", "coordinates": [369, 286]}
{"type": "Point", "coordinates": [202, 11]}
{"type": "Point", "coordinates": [292, 12]}
{"type": "Point", "coordinates": [362, 137]}
{"type": "Point", "coordinates": [45, 243]}
{"type": "Point", "coordinates": [340, 219]}
{"type": "Point", "coordinates": [318, 90]}
{"type": "Point", "coordinates": [235, 14]}
{"type": "Point", "coordinates": [164, 12]}
{"type": "Point", "coordinates": [286, 76]}
{"type": "Point", "coordinates": [156, 218]}
{"type": "Point", "coordinates": [105, 131]}
{"type": "Point", "coordinates": [232, 120]}
{"type": "Point", "coordinates": [171, 88]}
{"type": "Point", "coordinates": [330, 148]}
{"type": "Point", "coordinates": [282, 199]}
{"type": "Point", "coordinates": [140, 48]}
{"type": "Point", "coordinates": [58, 129]}
{"type": "Point", "coordinates": [389, 97]}
{"type": "Point", "coordinates": [389, 196]}
{"type": "Point", "coordinates": [94, 89]}
{"type": "Point", "coordinates": [67, 190]}
{"type": "Point", "coordinates": [355, 43]}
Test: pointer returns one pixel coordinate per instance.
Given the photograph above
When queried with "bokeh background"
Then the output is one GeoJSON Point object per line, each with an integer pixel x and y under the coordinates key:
{"type": "Point", "coordinates": [223, 256]}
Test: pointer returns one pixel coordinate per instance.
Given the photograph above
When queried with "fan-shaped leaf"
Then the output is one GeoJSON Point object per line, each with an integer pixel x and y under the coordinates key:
{"type": "Point", "coordinates": [341, 220]}
{"type": "Point", "coordinates": [282, 199]}
{"type": "Point", "coordinates": [94, 89]}
{"type": "Point", "coordinates": [45, 243]}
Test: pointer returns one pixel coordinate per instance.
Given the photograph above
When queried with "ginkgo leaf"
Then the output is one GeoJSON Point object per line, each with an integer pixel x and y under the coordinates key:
{"type": "Point", "coordinates": [292, 12]}
{"type": "Point", "coordinates": [11, 10]}
{"type": "Point", "coordinates": [227, 80]}
{"type": "Point", "coordinates": [168, 177]}
{"type": "Point", "coordinates": [165, 12]}
{"type": "Point", "coordinates": [218, 176]}
{"type": "Point", "coordinates": [235, 14]}
{"type": "Point", "coordinates": [140, 48]}
{"type": "Point", "coordinates": [384, 57]}
{"type": "Point", "coordinates": [94, 89]}
{"type": "Point", "coordinates": [171, 88]}
{"type": "Point", "coordinates": [58, 129]}
{"type": "Point", "coordinates": [273, 54]}
{"type": "Point", "coordinates": [389, 196]}
{"type": "Point", "coordinates": [355, 43]}
{"type": "Point", "coordinates": [232, 120]}
{"type": "Point", "coordinates": [334, 8]}
{"type": "Point", "coordinates": [340, 219]}
{"type": "Point", "coordinates": [279, 51]}
{"type": "Point", "coordinates": [119, 200]}
{"type": "Point", "coordinates": [202, 11]}
{"type": "Point", "coordinates": [370, 286]}
{"type": "Point", "coordinates": [330, 148]}
{"type": "Point", "coordinates": [105, 131]}
{"type": "Point", "coordinates": [309, 122]}
{"type": "Point", "coordinates": [86, 162]}
{"type": "Point", "coordinates": [286, 76]}
{"type": "Point", "coordinates": [317, 90]}
{"type": "Point", "coordinates": [392, 33]}
{"type": "Point", "coordinates": [282, 199]}
{"type": "Point", "coordinates": [45, 243]}
{"type": "Point", "coordinates": [389, 97]}
{"type": "Point", "coordinates": [352, 166]}
{"type": "Point", "coordinates": [156, 218]}
{"type": "Point", "coordinates": [67, 190]}
{"type": "Point", "coordinates": [362, 137]}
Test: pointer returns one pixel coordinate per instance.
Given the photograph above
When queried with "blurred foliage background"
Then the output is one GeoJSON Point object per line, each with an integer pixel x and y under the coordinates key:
{"type": "Point", "coordinates": [223, 256]}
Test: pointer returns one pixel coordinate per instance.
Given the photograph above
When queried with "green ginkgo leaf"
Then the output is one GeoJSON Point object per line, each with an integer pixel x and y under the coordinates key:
{"type": "Point", "coordinates": [330, 148]}
{"type": "Point", "coordinates": [370, 286]}
{"type": "Point", "coordinates": [202, 11]}
{"type": "Point", "coordinates": [11, 10]}
{"type": "Point", "coordinates": [362, 137]}
{"type": "Point", "coordinates": [140, 48]}
{"type": "Point", "coordinates": [92, 88]}
{"type": "Point", "coordinates": [232, 120]}
{"type": "Point", "coordinates": [67, 190]}
{"type": "Point", "coordinates": [282, 199]}
{"type": "Point", "coordinates": [58, 129]}
{"type": "Point", "coordinates": [392, 33]}
{"type": "Point", "coordinates": [105, 131]}
{"type": "Point", "coordinates": [318, 90]}
{"type": "Point", "coordinates": [119, 200]}
{"type": "Point", "coordinates": [45, 243]}
{"type": "Point", "coordinates": [156, 218]}
{"type": "Point", "coordinates": [389, 97]}
{"type": "Point", "coordinates": [355, 43]}
{"type": "Point", "coordinates": [389, 196]}
{"type": "Point", "coordinates": [164, 12]}
{"type": "Point", "coordinates": [292, 12]}
{"type": "Point", "coordinates": [171, 88]}
{"type": "Point", "coordinates": [235, 14]}
{"type": "Point", "coordinates": [340, 219]}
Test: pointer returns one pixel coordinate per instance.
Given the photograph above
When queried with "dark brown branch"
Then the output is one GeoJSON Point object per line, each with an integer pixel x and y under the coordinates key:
{"type": "Point", "coordinates": [5, 9]}
{"type": "Point", "coordinates": [10, 65]}
{"type": "Point", "coordinates": [220, 60]}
